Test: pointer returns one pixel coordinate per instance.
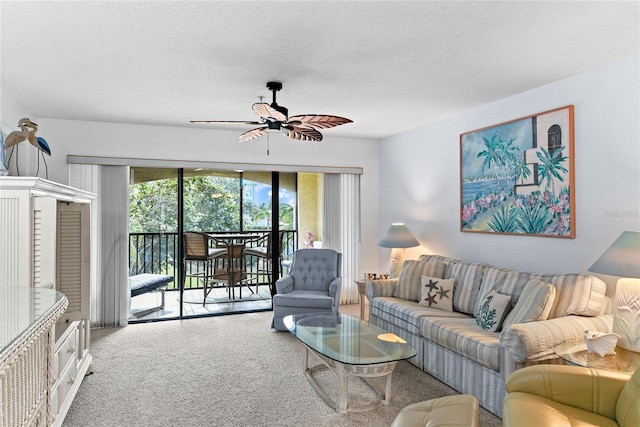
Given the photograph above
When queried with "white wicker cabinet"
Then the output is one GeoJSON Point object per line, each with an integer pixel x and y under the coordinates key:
{"type": "Point", "coordinates": [47, 241]}
{"type": "Point", "coordinates": [27, 318]}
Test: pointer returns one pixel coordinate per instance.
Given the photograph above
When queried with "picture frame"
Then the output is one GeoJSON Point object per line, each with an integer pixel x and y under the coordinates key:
{"type": "Point", "coordinates": [517, 177]}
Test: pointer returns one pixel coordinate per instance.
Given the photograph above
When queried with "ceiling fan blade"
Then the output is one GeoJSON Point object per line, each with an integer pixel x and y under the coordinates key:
{"type": "Point", "coordinates": [266, 111]}
{"type": "Point", "coordinates": [227, 122]}
{"type": "Point", "coordinates": [302, 133]}
{"type": "Point", "coordinates": [253, 134]}
{"type": "Point", "coordinates": [320, 121]}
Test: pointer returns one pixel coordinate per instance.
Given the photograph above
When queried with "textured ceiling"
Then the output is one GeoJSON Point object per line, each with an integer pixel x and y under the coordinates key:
{"type": "Point", "coordinates": [389, 66]}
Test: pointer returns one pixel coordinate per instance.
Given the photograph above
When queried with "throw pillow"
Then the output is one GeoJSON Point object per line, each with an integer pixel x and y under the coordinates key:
{"type": "Point", "coordinates": [534, 303]}
{"type": "Point", "coordinates": [492, 311]}
{"type": "Point", "coordinates": [408, 285]}
{"type": "Point", "coordinates": [437, 293]}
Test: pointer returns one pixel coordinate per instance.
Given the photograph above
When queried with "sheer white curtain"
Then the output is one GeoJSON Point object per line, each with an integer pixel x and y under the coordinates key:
{"type": "Point", "coordinates": [109, 293]}
{"type": "Point", "coordinates": [341, 227]}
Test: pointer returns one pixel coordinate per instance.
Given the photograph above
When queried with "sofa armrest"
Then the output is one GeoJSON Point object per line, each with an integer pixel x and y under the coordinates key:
{"type": "Point", "coordinates": [284, 285]}
{"type": "Point", "coordinates": [380, 288]}
{"type": "Point", "coordinates": [536, 341]}
{"type": "Point", "coordinates": [593, 390]}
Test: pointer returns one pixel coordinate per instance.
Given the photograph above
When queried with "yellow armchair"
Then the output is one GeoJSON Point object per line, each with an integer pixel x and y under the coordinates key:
{"type": "Point", "coordinates": [558, 395]}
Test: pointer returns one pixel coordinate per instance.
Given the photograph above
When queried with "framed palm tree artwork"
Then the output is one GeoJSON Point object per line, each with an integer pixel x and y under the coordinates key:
{"type": "Point", "coordinates": [517, 177]}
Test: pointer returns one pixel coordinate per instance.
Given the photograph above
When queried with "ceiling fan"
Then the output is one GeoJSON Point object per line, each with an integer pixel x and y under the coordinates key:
{"type": "Point", "coordinates": [276, 117]}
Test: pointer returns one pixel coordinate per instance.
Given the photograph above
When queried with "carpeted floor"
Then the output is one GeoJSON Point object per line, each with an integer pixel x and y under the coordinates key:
{"type": "Point", "coordinates": [223, 371]}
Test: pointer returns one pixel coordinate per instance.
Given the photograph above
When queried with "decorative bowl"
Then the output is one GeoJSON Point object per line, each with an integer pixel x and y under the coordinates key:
{"type": "Point", "coordinates": [601, 342]}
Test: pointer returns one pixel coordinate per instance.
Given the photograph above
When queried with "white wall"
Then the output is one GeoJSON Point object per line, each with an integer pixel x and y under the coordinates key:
{"type": "Point", "coordinates": [420, 184]}
{"type": "Point", "coordinates": [70, 137]}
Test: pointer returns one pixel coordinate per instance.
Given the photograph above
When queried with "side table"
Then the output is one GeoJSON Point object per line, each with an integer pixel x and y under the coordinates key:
{"type": "Point", "coordinates": [361, 284]}
{"type": "Point", "coordinates": [576, 354]}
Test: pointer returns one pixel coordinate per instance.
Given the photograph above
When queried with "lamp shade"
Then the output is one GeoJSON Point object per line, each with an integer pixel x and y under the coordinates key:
{"type": "Point", "coordinates": [398, 236]}
{"type": "Point", "coordinates": [622, 258]}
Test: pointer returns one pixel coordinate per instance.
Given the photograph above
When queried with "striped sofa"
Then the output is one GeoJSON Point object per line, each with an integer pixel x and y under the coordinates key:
{"type": "Point", "coordinates": [453, 348]}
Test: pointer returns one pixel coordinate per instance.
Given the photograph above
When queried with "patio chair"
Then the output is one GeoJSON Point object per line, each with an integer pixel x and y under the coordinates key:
{"type": "Point", "coordinates": [198, 249]}
{"type": "Point", "coordinates": [263, 254]}
{"type": "Point", "coordinates": [312, 286]}
{"type": "Point", "coordinates": [231, 268]}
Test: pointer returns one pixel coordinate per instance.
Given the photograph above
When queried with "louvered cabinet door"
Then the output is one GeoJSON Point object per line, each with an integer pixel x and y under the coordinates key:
{"type": "Point", "coordinates": [73, 258]}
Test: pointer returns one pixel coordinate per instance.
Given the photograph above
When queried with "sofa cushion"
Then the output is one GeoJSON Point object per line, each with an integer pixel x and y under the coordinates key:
{"type": "Point", "coordinates": [448, 262]}
{"type": "Point", "coordinates": [468, 279]}
{"type": "Point", "coordinates": [409, 282]}
{"type": "Point", "coordinates": [463, 336]}
{"type": "Point", "coordinates": [576, 294]}
{"type": "Point", "coordinates": [437, 293]}
{"type": "Point", "coordinates": [502, 280]}
{"type": "Point", "coordinates": [436, 258]}
{"type": "Point", "coordinates": [534, 303]}
{"type": "Point", "coordinates": [405, 314]}
{"type": "Point", "coordinates": [493, 311]}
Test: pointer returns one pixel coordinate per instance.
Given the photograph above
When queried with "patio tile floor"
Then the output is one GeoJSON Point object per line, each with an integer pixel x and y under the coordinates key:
{"type": "Point", "coordinates": [218, 303]}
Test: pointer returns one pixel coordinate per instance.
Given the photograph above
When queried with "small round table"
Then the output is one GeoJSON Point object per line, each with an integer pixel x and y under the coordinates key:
{"type": "Point", "coordinates": [576, 354]}
{"type": "Point", "coordinates": [361, 284]}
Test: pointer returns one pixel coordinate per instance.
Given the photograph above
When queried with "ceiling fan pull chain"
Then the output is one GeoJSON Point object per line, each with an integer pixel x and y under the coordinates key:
{"type": "Point", "coordinates": [268, 142]}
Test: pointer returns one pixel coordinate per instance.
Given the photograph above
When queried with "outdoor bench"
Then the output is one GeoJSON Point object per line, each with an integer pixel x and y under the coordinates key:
{"type": "Point", "coordinates": [144, 283]}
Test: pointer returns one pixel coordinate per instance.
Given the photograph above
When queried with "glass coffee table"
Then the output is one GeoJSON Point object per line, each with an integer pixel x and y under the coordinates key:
{"type": "Point", "coordinates": [349, 347]}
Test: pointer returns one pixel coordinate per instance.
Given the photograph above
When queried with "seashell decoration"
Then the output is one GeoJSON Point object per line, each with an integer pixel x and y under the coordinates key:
{"type": "Point", "coordinates": [601, 342]}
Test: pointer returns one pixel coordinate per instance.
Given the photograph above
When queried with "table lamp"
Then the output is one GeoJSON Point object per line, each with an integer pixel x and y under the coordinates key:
{"type": "Point", "coordinates": [622, 259]}
{"type": "Point", "coordinates": [397, 237]}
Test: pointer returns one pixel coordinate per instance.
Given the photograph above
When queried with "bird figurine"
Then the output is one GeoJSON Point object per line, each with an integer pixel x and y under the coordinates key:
{"type": "Point", "coordinates": [41, 144]}
{"type": "Point", "coordinates": [15, 138]}
{"type": "Point", "coordinates": [37, 141]}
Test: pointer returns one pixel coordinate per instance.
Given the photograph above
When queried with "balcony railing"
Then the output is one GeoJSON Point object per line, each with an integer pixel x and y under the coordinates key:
{"type": "Point", "coordinates": [157, 253]}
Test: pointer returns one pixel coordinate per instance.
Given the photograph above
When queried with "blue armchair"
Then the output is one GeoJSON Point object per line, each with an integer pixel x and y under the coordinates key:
{"type": "Point", "coordinates": [312, 286]}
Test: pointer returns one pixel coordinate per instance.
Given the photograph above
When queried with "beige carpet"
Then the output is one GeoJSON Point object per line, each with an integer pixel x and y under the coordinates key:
{"type": "Point", "coordinates": [223, 371]}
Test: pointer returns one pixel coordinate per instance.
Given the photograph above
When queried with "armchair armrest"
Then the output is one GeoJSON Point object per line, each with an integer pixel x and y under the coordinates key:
{"type": "Point", "coordinates": [334, 287]}
{"type": "Point", "coordinates": [380, 288]}
{"type": "Point", "coordinates": [593, 390]}
{"type": "Point", "coordinates": [284, 285]}
{"type": "Point", "coordinates": [536, 341]}
{"type": "Point", "coordinates": [334, 291]}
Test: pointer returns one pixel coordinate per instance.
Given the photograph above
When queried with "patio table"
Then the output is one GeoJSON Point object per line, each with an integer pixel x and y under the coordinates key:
{"type": "Point", "coordinates": [234, 272]}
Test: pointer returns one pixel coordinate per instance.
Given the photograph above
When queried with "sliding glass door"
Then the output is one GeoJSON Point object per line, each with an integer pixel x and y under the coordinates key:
{"type": "Point", "coordinates": [165, 203]}
{"type": "Point", "coordinates": [153, 238]}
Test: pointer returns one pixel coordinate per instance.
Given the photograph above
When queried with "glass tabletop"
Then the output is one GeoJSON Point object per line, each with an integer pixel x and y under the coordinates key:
{"type": "Point", "coordinates": [577, 354]}
{"type": "Point", "coordinates": [347, 339]}
{"type": "Point", "coordinates": [20, 307]}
